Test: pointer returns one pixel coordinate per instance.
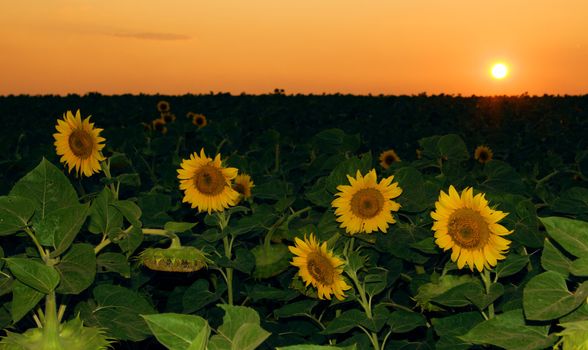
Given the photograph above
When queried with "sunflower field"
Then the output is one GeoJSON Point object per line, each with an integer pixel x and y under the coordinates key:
{"type": "Point", "coordinates": [293, 222]}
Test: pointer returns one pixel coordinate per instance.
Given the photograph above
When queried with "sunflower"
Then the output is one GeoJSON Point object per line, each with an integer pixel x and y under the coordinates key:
{"type": "Point", "coordinates": [199, 120]}
{"type": "Point", "coordinates": [483, 154]}
{"type": "Point", "coordinates": [159, 125]}
{"type": "Point", "coordinates": [79, 143]}
{"type": "Point", "coordinates": [388, 157]}
{"type": "Point", "coordinates": [206, 183]}
{"type": "Point", "coordinates": [468, 226]}
{"type": "Point", "coordinates": [163, 106]}
{"type": "Point", "coordinates": [366, 205]}
{"type": "Point", "coordinates": [243, 185]}
{"type": "Point", "coordinates": [168, 117]}
{"type": "Point", "coordinates": [319, 267]}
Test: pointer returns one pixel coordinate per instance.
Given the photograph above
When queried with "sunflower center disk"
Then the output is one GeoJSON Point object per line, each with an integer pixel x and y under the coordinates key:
{"type": "Point", "coordinates": [389, 159]}
{"type": "Point", "coordinates": [367, 203]}
{"type": "Point", "coordinates": [320, 269]}
{"type": "Point", "coordinates": [81, 143]}
{"type": "Point", "coordinates": [239, 188]}
{"type": "Point", "coordinates": [199, 121]}
{"type": "Point", "coordinates": [209, 180]}
{"type": "Point", "coordinates": [468, 229]}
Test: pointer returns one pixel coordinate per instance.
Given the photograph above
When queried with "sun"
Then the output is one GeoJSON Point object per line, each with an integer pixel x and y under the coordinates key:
{"type": "Point", "coordinates": [499, 71]}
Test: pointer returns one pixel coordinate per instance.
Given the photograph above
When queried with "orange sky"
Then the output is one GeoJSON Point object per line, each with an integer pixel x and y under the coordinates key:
{"type": "Point", "coordinates": [306, 46]}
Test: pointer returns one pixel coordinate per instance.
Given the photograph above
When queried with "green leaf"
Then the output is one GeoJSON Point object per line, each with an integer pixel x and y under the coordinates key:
{"type": "Point", "coordinates": [77, 269]}
{"type": "Point", "coordinates": [34, 274]}
{"type": "Point", "coordinates": [114, 262]}
{"type": "Point", "coordinates": [270, 261]}
{"type": "Point", "coordinates": [546, 297]}
{"type": "Point", "coordinates": [104, 217]}
{"type": "Point", "coordinates": [240, 329]}
{"type": "Point", "coordinates": [552, 259]}
{"type": "Point", "coordinates": [511, 265]}
{"type": "Point", "coordinates": [501, 176]}
{"type": "Point", "coordinates": [60, 227]}
{"type": "Point", "coordinates": [402, 321]}
{"type": "Point", "coordinates": [452, 147]}
{"type": "Point", "coordinates": [508, 330]}
{"type": "Point", "coordinates": [571, 234]}
{"type": "Point", "coordinates": [178, 227]}
{"type": "Point", "coordinates": [15, 213]}
{"type": "Point", "coordinates": [178, 331]}
{"type": "Point", "coordinates": [129, 210]}
{"type": "Point", "coordinates": [482, 299]}
{"type": "Point", "coordinates": [24, 299]}
{"type": "Point", "coordinates": [198, 295]}
{"type": "Point", "coordinates": [131, 241]}
{"type": "Point", "coordinates": [579, 267]}
{"type": "Point", "coordinates": [316, 347]}
{"type": "Point", "coordinates": [375, 281]}
{"type": "Point", "coordinates": [417, 195]}
{"type": "Point", "coordinates": [459, 295]}
{"type": "Point", "coordinates": [47, 187]}
{"type": "Point", "coordinates": [429, 291]}
{"type": "Point", "coordinates": [457, 324]}
{"type": "Point", "coordinates": [119, 311]}
{"type": "Point", "coordinates": [299, 308]}
{"type": "Point", "coordinates": [346, 321]}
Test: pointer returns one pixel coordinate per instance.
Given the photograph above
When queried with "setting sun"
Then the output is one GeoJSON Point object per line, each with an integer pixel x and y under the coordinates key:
{"type": "Point", "coordinates": [499, 71]}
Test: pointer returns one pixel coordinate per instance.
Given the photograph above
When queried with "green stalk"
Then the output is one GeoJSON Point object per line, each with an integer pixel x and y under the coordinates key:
{"type": "Point", "coordinates": [223, 222]}
{"type": "Point", "coordinates": [51, 326]}
{"type": "Point", "coordinates": [487, 283]}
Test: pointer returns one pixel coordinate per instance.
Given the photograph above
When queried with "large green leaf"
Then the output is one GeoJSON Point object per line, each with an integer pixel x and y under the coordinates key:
{"type": "Point", "coordinates": [508, 330]}
{"type": "Point", "coordinates": [240, 330]}
{"type": "Point", "coordinates": [105, 218]}
{"type": "Point", "coordinates": [402, 321]}
{"type": "Point", "coordinates": [77, 269]}
{"type": "Point", "coordinates": [114, 262]}
{"type": "Point", "coordinates": [417, 194]}
{"type": "Point", "coordinates": [451, 327]}
{"type": "Point", "coordinates": [118, 310]}
{"type": "Point", "coordinates": [452, 147]}
{"type": "Point", "coordinates": [198, 295]}
{"type": "Point", "coordinates": [546, 297]}
{"type": "Point", "coordinates": [15, 213]}
{"type": "Point", "coordinates": [511, 265]}
{"type": "Point", "coordinates": [47, 187]}
{"type": "Point", "coordinates": [349, 167]}
{"type": "Point", "coordinates": [60, 227]}
{"type": "Point", "coordinates": [24, 299]}
{"type": "Point", "coordinates": [552, 259]}
{"type": "Point", "coordinates": [34, 274]}
{"type": "Point", "coordinates": [571, 234]}
{"type": "Point", "coordinates": [316, 347]}
{"type": "Point", "coordinates": [130, 210]}
{"type": "Point", "coordinates": [174, 226]}
{"type": "Point", "coordinates": [179, 331]}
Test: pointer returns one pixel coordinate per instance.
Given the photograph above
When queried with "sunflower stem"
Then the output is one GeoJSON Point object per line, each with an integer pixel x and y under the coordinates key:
{"type": "Point", "coordinates": [42, 252]}
{"type": "Point", "coordinates": [487, 283]}
{"type": "Point", "coordinates": [277, 156]}
{"type": "Point", "coordinates": [51, 325]}
{"type": "Point", "coordinates": [105, 165]}
{"type": "Point", "coordinates": [223, 222]}
{"type": "Point", "coordinates": [105, 242]}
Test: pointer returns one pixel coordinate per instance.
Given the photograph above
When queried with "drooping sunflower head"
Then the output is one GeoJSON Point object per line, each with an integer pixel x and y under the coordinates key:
{"type": "Point", "coordinates": [159, 125]}
{"type": "Point", "coordinates": [163, 106]}
{"type": "Point", "coordinates": [319, 267]}
{"type": "Point", "coordinates": [469, 227]}
{"type": "Point", "coordinates": [199, 120]}
{"type": "Point", "coordinates": [483, 154]}
{"type": "Point", "coordinates": [79, 144]}
{"type": "Point", "coordinates": [206, 183]}
{"type": "Point", "coordinates": [388, 157]}
{"type": "Point", "coordinates": [366, 206]}
{"type": "Point", "coordinates": [168, 117]}
{"type": "Point", "coordinates": [243, 185]}
{"type": "Point", "coordinates": [177, 259]}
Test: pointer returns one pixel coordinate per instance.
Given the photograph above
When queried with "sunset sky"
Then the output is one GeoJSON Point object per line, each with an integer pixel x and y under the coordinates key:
{"type": "Point", "coordinates": [302, 46]}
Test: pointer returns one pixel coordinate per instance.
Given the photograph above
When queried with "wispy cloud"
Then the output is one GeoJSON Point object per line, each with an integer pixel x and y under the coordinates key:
{"type": "Point", "coordinates": [150, 36]}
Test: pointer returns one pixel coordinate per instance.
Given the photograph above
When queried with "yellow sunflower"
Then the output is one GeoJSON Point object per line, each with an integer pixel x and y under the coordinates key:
{"type": "Point", "coordinates": [199, 120]}
{"type": "Point", "coordinates": [319, 267]}
{"type": "Point", "coordinates": [79, 143]}
{"type": "Point", "coordinates": [243, 185]}
{"type": "Point", "coordinates": [159, 125]}
{"type": "Point", "coordinates": [483, 154]}
{"type": "Point", "coordinates": [163, 106]}
{"type": "Point", "coordinates": [206, 183]}
{"type": "Point", "coordinates": [388, 157]}
{"type": "Point", "coordinates": [468, 226]}
{"type": "Point", "coordinates": [366, 205]}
